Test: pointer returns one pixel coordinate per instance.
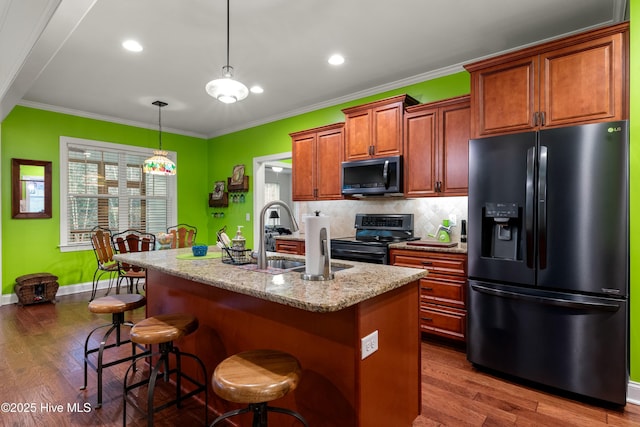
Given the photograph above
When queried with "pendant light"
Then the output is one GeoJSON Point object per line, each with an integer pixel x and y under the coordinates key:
{"type": "Point", "coordinates": [159, 164]}
{"type": "Point", "coordinates": [227, 89]}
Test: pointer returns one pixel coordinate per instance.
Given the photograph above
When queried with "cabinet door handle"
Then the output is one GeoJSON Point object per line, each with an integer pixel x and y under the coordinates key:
{"type": "Point", "coordinates": [535, 118]}
{"type": "Point", "coordinates": [427, 289]}
{"type": "Point", "coordinates": [426, 319]}
{"type": "Point", "coordinates": [427, 262]}
{"type": "Point", "coordinates": [542, 119]}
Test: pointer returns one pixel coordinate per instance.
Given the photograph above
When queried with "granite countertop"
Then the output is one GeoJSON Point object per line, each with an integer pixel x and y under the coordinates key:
{"type": "Point", "coordinates": [461, 248]}
{"type": "Point", "coordinates": [349, 287]}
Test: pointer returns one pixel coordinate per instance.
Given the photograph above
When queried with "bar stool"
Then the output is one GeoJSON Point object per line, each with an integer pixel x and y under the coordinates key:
{"type": "Point", "coordinates": [257, 377]}
{"type": "Point", "coordinates": [163, 330]}
{"type": "Point", "coordinates": [117, 305]}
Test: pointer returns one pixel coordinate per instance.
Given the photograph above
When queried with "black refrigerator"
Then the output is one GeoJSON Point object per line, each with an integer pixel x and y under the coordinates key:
{"type": "Point", "coordinates": [548, 248]}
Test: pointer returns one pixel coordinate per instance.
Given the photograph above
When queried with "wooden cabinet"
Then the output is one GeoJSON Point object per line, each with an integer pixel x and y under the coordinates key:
{"type": "Point", "coordinates": [375, 129]}
{"type": "Point", "coordinates": [295, 247]}
{"type": "Point", "coordinates": [442, 293]}
{"type": "Point", "coordinates": [436, 141]}
{"type": "Point", "coordinates": [574, 80]}
{"type": "Point", "coordinates": [316, 163]}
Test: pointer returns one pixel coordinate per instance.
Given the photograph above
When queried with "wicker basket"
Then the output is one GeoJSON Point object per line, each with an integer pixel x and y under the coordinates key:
{"type": "Point", "coordinates": [36, 288]}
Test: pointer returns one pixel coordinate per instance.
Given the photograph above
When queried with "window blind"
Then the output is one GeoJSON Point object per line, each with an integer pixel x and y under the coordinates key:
{"type": "Point", "coordinates": [105, 187]}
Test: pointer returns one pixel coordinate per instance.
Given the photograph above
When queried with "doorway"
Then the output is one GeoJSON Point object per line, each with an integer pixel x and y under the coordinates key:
{"type": "Point", "coordinates": [264, 174]}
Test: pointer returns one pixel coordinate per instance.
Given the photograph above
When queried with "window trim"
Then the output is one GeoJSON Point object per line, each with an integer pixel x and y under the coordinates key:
{"type": "Point", "coordinates": [65, 141]}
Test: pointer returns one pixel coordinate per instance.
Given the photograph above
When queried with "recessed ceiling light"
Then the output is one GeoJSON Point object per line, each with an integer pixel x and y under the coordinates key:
{"type": "Point", "coordinates": [276, 168]}
{"type": "Point", "coordinates": [336, 59]}
{"type": "Point", "coordinates": [132, 45]}
{"type": "Point", "coordinates": [256, 89]}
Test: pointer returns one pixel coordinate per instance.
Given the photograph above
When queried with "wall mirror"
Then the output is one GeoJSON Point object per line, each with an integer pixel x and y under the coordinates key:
{"type": "Point", "coordinates": [30, 189]}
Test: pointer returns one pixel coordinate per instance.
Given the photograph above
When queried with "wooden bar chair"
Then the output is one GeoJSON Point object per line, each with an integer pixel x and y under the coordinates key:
{"type": "Point", "coordinates": [163, 330]}
{"type": "Point", "coordinates": [103, 250]}
{"type": "Point", "coordinates": [116, 305]}
{"type": "Point", "coordinates": [132, 241]}
{"type": "Point", "coordinates": [184, 235]}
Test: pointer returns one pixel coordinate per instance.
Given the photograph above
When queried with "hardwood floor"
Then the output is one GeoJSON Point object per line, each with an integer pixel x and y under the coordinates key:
{"type": "Point", "coordinates": [41, 353]}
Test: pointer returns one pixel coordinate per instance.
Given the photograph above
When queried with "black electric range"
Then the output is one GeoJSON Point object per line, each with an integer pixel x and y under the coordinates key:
{"type": "Point", "coordinates": [374, 234]}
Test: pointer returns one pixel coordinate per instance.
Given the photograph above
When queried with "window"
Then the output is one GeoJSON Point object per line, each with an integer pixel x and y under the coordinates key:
{"type": "Point", "coordinates": [103, 184]}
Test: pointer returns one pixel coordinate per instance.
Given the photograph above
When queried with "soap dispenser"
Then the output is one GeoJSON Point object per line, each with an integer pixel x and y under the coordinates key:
{"type": "Point", "coordinates": [239, 240]}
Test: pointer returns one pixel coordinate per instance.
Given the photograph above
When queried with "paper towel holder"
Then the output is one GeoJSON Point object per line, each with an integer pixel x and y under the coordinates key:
{"type": "Point", "coordinates": [324, 249]}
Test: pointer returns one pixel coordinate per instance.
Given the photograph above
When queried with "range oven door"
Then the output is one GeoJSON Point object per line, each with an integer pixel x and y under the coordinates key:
{"type": "Point", "coordinates": [361, 252]}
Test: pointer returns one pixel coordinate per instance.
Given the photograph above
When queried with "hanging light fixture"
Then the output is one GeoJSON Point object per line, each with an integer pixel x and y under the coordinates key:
{"type": "Point", "coordinates": [159, 164]}
{"type": "Point", "coordinates": [227, 89]}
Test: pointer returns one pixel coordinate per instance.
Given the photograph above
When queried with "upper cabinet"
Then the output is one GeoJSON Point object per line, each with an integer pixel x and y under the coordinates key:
{"type": "Point", "coordinates": [574, 80]}
{"type": "Point", "coordinates": [375, 129]}
{"type": "Point", "coordinates": [316, 163]}
{"type": "Point", "coordinates": [436, 140]}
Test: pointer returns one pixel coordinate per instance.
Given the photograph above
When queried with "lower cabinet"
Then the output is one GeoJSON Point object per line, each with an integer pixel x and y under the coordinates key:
{"type": "Point", "coordinates": [442, 293]}
{"type": "Point", "coordinates": [295, 247]}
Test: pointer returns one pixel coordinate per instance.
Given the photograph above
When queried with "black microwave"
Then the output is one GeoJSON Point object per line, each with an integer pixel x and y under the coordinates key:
{"type": "Point", "coordinates": [373, 176]}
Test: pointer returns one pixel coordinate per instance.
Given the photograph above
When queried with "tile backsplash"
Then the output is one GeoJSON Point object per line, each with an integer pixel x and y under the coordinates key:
{"type": "Point", "coordinates": [428, 213]}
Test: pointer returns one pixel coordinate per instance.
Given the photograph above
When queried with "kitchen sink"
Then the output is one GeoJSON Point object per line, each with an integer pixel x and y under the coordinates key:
{"type": "Point", "coordinates": [284, 264]}
{"type": "Point", "coordinates": [298, 266]}
{"type": "Point", "coordinates": [334, 268]}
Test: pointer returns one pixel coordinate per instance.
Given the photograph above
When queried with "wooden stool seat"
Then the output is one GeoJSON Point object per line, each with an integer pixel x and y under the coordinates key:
{"type": "Point", "coordinates": [256, 376]}
{"type": "Point", "coordinates": [163, 328]}
{"type": "Point", "coordinates": [117, 303]}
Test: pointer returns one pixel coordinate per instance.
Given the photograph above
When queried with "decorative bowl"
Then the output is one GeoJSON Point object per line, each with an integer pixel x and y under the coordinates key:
{"type": "Point", "coordinates": [199, 250]}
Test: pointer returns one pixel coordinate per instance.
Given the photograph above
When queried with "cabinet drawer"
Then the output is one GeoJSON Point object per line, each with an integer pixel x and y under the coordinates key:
{"type": "Point", "coordinates": [443, 321]}
{"type": "Point", "coordinates": [444, 263]}
{"type": "Point", "coordinates": [443, 290]}
{"type": "Point", "coordinates": [290, 247]}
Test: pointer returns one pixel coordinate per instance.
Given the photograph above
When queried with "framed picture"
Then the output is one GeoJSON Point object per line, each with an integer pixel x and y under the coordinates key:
{"type": "Point", "coordinates": [218, 190]}
{"type": "Point", "coordinates": [238, 175]}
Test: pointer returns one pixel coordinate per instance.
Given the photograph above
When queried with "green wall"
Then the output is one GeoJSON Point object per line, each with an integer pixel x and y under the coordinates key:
{"type": "Point", "coordinates": [634, 196]}
{"type": "Point", "coordinates": [31, 245]}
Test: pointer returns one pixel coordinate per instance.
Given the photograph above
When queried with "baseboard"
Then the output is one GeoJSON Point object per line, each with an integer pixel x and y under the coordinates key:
{"type": "Point", "coordinates": [633, 393]}
{"type": "Point", "coordinates": [62, 290]}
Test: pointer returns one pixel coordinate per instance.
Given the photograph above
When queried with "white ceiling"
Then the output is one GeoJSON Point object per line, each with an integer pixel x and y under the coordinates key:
{"type": "Point", "coordinates": [65, 55]}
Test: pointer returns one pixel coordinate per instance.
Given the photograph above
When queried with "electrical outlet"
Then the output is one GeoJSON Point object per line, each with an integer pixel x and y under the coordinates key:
{"type": "Point", "coordinates": [453, 219]}
{"type": "Point", "coordinates": [248, 216]}
{"type": "Point", "coordinates": [369, 344]}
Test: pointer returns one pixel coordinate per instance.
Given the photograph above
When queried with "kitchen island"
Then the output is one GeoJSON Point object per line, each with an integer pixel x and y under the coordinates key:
{"type": "Point", "coordinates": [321, 323]}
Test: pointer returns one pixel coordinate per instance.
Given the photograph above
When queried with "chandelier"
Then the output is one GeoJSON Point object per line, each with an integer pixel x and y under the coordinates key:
{"type": "Point", "coordinates": [159, 163]}
{"type": "Point", "coordinates": [226, 89]}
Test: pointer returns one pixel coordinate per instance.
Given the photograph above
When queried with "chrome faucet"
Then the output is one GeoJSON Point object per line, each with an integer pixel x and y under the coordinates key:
{"type": "Point", "coordinates": [262, 253]}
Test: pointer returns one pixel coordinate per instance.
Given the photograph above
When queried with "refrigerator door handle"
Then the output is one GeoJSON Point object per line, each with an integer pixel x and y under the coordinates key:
{"type": "Point", "coordinates": [542, 208]}
{"type": "Point", "coordinates": [558, 302]}
{"type": "Point", "coordinates": [529, 205]}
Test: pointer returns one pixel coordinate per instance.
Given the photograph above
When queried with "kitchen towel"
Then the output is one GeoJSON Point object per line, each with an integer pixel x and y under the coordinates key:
{"type": "Point", "coordinates": [314, 259]}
